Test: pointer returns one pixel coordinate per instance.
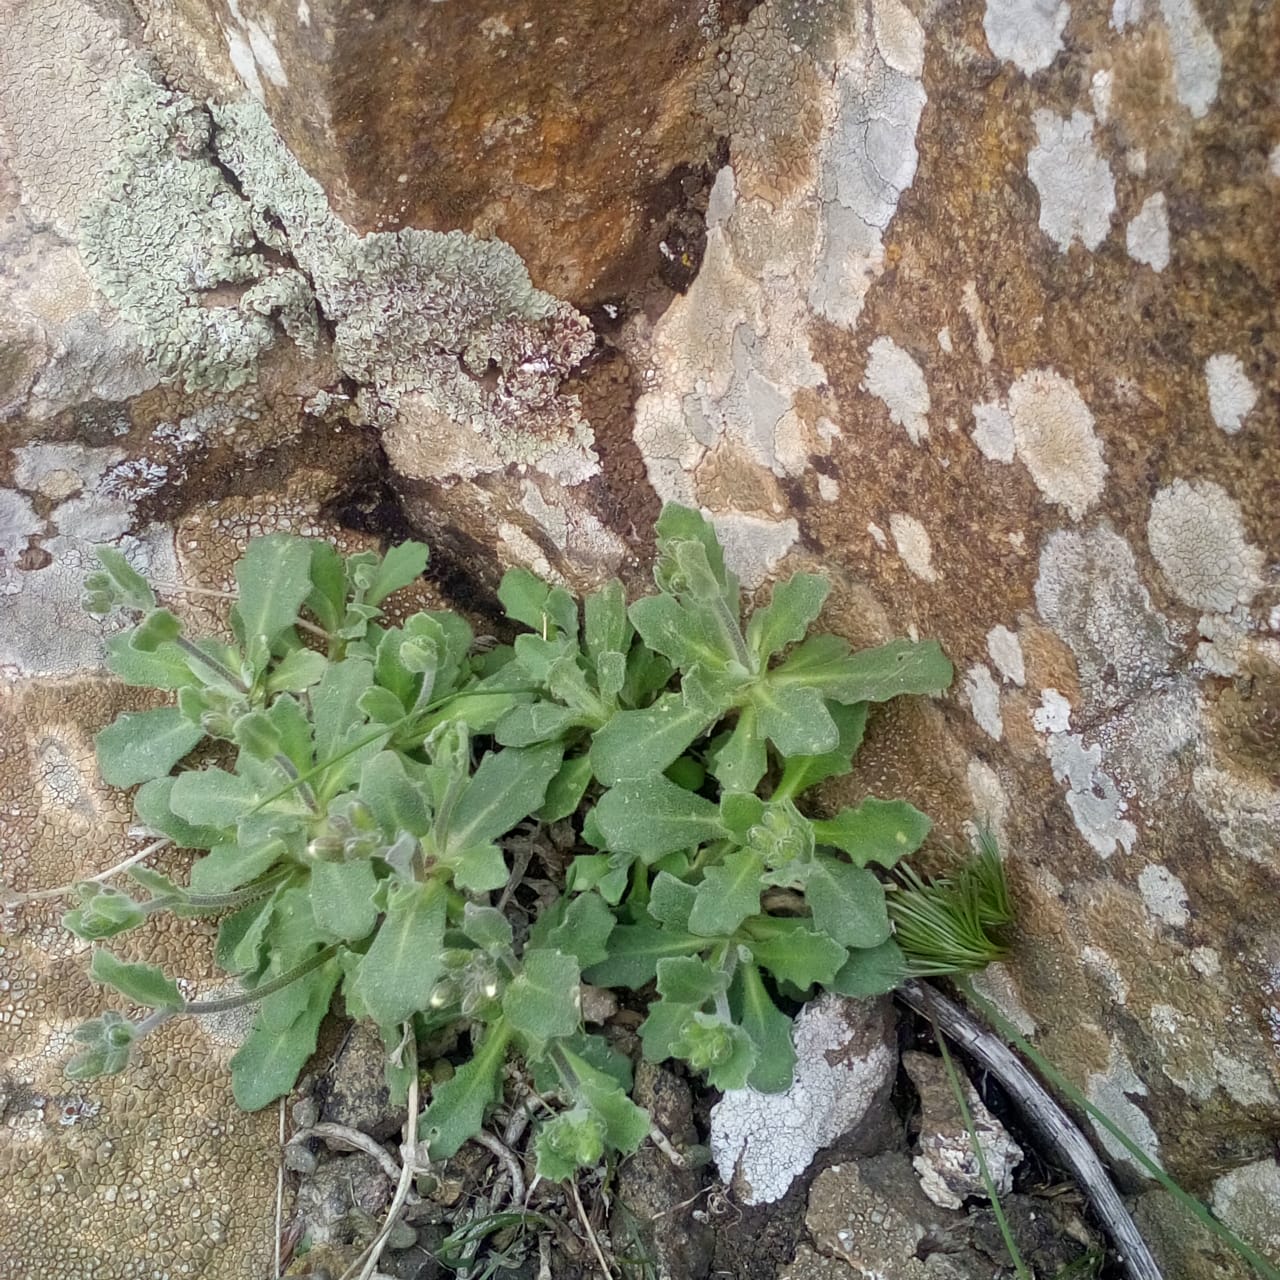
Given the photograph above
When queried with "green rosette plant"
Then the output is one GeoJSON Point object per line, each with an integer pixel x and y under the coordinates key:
{"type": "Point", "coordinates": [350, 784]}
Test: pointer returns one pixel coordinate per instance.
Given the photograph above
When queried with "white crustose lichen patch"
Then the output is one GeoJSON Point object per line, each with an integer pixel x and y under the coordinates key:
{"type": "Point", "coordinates": [914, 545]}
{"type": "Point", "coordinates": [1054, 437]}
{"type": "Point", "coordinates": [1053, 715]}
{"type": "Point", "coordinates": [1027, 33]}
{"type": "Point", "coordinates": [1077, 191]}
{"type": "Point", "coordinates": [1112, 1092]}
{"type": "Point", "coordinates": [1147, 237]}
{"type": "Point", "coordinates": [1197, 64]}
{"type": "Point", "coordinates": [1164, 895]}
{"type": "Point", "coordinates": [1197, 537]}
{"type": "Point", "coordinates": [752, 546]}
{"type": "Point", "coordinates": [1092, 795]}
{"type": "Point", "coordinates": [762, 1142]}
{"type": "Point", "coordinates": [1232, 396]}
{"type": "Point", "coordinates": [895, 378]}
{"type": "Point", "coordinates": [1006, 652]}
{"type": "Point", "coordinates": [983, 696]}
{"type": "Point", "coordinates": [993, 432]}
{"type": "Point", "coordinates": [867, 159]}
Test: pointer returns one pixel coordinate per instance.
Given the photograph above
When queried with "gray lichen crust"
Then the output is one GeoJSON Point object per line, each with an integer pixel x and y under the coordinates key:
{"type": "Point", "coordinates": [211, 240]}
{"type": "Point", "coordinates": [449, 317]}
{"type": "Point", "coordinates": [165, 230]}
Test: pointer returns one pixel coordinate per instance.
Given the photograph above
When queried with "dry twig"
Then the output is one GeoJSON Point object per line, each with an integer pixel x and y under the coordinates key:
{"type": "Point", "coordinates": [1044, 1115]}
{"type": "Point", "coordinates": [409, 1154]}
{"type": "Point", "coordinates": [280, 1194]}
{"type": "Point", "coordinates": [509, 1162]}
{"type": "Point", "coordinates": [354, 1140]}
{"type": "Point", "coordinates": [586, 1226]}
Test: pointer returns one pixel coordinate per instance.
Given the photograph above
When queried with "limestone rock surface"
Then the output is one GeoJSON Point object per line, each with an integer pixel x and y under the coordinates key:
{"type": "Point", "coordinates": [971, 308]}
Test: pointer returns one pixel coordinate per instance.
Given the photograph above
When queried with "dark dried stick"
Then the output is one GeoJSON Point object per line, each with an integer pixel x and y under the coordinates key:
{"type": "Point", "coordinates": [1044, 1115]}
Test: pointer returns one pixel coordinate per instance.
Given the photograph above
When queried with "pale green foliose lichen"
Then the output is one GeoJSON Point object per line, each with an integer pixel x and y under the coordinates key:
{"type": "Point", "coordinates": [453, 319]}
{"type": "Point", "coordinates": [206, 200]}
{"type": "Point", "coordinates": [165, 229]}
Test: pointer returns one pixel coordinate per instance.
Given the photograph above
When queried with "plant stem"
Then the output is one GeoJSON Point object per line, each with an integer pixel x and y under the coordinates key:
{"type": "Point", "coordinates": [194, 651]}
{"type": "Point", "coordinates": [199, 1008]}
{"type": "Point", "coordinates": [409, 1166]}
{"type": "Point", "coordinates": [226, 901]}
{"type": "Point", "coordinates": [181, 588]}
{"type": "Point", "coordinates": [290, 770]}
{"type": "Point", "coordinates": [61, 891]}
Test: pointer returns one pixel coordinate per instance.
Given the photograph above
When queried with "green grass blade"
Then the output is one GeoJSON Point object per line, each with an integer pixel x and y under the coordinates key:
{"type": "Point", "coordinates": [987, 1180]}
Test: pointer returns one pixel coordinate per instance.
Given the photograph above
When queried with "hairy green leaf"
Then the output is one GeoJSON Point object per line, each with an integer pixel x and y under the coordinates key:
{"type": "Point", "coordinates": [268, 1063]}
{"type": "Point", "coordinates": [478, 869]}
{"type": "Point", "coordinates": [107, 1040]}
{"type": "Point", "coordinates": [534, 722]}
{"type": "Point", "coordinates": [487, 927]}
{"type": "Point", "coordinates": [397, 801]}
{"type": "Point", "coordinates": [876, 831]}
{"type": "Point", "coordinates": [274, 578]}
{"type": "Point", "coordinates": [671, 900]}
{"type": "Point", "coordinates": [626, 1125]}
{"type": "Point", "coordinates": [542, 1001]}
{"type": "Point", "coordinates": [398, 972]}
{"type": "Point", "coordinates": [142, 983]}
{"type": "Point", "coordinates": [566, 789]}
{"type": "Point", "coordinates": [847, 903]}
{"type": "Point", "coordinates": [798, 955]}
{"type": "Point", "coordinates": [142, 745]}
{"type": "Point", "coordinates": [662, 1031]}
{"type": "Point", "coordinates": [769, 1030]}
{"type": "Point", "coordinates": [328, 595]}
{"type": "Point", "coordinates": [802, 772]}
{"type": "Point", "coordinates": [229, 866]}
{"type": "Point", "coordinates": [741, 760]}
{"type": "Point", "coordinates": [402, 564]}
{"type": "Point", "coordinates": [297, 671]}
{"type": "Point", "coordinates": [728, 894]}
{"type": "Point", "coordinates": [572, 1140]}
{"type": "Point", "coordinates": [579, 927]}
{"type": "Point", "coordinates": [507, 787]}
{"type": "Point", "coordinates": [653, 816]}
{"type": "Point", "coordinates": [785, 620]}
{"type": "Point", "coordinates": [689, 980]}
{"type": "Point", "coordinates": [871, 675]}
{"type": "Point", "coordinates": [634, 952]}
{"type": "Point", "coordinates": [342, 899]}
{"type": "Point", "coordinates": [457, 1109]}
{"type": "Point", "coordinates": [524, 598]}
{"type": "Point", "coordinates": [103, 912]}
{"type": "Point", "coordinates": [165, 667]}
{"type": "Point", "coordinates": [636, 743]}
{"type": "Point", "coordinates": [871, 971]}
{"type": "Point", "coordinates": [688, 635]}
{"type": "Point", "coordinates": [212, 797]}
{"type": "Point", "coordinates": [678, 523]}
{"type": "Point", "coordinates": [131, 586]}
{"type": "Point", "coordinates": [151, 808]}
{"type": "Point", "coordinates": [795, 719]}
{"type": "Point", "coordinates": [605, 628]}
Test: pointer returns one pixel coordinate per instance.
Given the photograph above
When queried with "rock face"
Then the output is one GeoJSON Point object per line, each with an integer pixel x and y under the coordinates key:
{"type": "Point", "coordinates": [563, 130]}
{"type": "Point", "coordinates": [974, 311]}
